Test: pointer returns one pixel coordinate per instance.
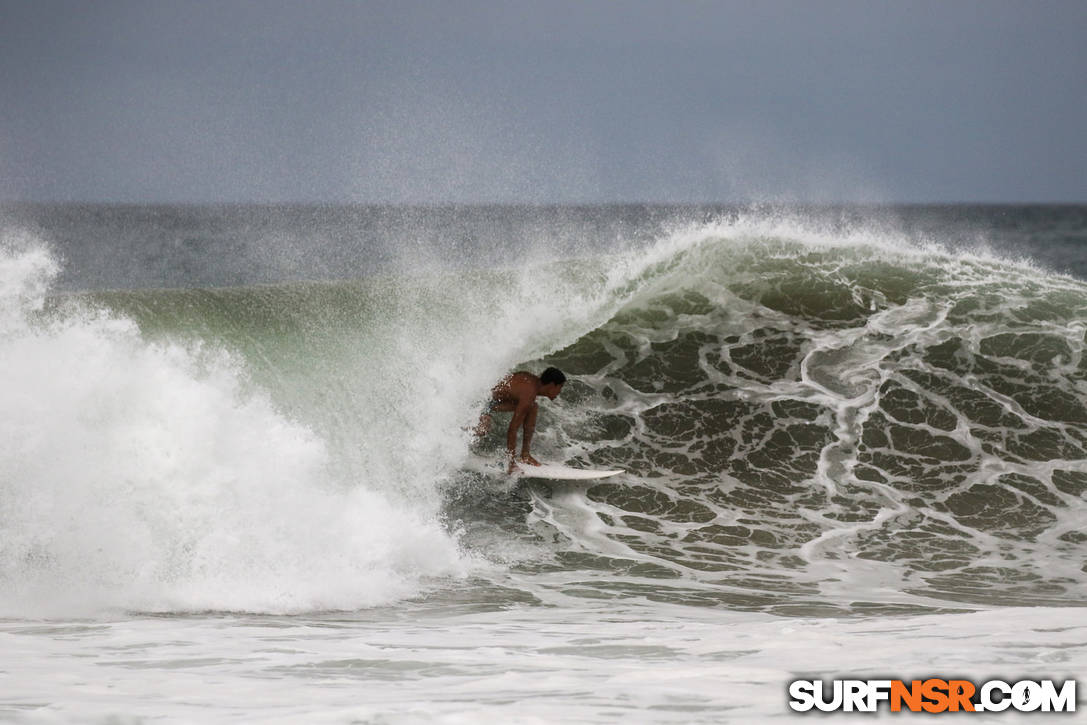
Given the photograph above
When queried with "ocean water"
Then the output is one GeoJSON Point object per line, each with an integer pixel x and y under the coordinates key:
{"type": "Point", "coordinates": [235, 480]}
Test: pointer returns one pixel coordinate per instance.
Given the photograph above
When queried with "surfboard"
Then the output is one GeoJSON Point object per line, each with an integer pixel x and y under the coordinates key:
{"type": "Point", "coordinates": [548, 471]}
{"type": "Point", "coordinates": [555, 472]}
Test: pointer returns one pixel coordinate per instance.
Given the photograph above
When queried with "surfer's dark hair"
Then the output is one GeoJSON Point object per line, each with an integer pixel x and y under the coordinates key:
{"type": "Point", "coordinates": [552, 375]}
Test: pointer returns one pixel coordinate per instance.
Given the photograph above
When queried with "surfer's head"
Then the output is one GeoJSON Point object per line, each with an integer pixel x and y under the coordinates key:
{"type": "Point", "coordinates": [551, 382]}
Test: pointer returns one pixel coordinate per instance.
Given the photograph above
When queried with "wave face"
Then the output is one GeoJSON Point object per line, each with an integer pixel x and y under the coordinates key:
{"type": "Point", "coordinates": [815, 419]}
{"type": "Point", "coordinates": [830, 422]}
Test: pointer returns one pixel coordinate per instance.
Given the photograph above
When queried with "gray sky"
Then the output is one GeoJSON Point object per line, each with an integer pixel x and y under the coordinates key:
{"type": "Point", "coordinates": [583, 101]}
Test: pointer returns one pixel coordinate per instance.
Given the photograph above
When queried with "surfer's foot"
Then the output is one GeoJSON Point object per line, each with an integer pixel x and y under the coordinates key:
{"type": "Point", "coordinates": [523, 459]}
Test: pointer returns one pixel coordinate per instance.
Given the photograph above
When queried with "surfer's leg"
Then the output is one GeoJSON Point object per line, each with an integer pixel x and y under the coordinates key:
{"type": "Point", "coordinates": [528, 428]}
{"type": "Point", "coordinates": [486, 420]}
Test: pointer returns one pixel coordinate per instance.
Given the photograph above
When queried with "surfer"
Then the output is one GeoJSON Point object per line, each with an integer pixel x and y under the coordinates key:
{"type": "Point", "coordinates": [517, 394]}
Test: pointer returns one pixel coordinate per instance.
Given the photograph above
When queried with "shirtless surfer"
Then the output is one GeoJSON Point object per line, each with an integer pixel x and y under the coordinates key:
{"type": "Point", "coordinates": [517, 394]}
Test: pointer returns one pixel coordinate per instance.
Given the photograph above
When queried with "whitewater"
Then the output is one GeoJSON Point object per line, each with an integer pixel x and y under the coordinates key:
{"type": "Point", "coordinates": [235, 480]}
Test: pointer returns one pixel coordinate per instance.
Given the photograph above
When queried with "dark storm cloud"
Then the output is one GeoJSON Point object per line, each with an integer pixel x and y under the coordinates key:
{"type": "Point", "coordinates": [560, 101]}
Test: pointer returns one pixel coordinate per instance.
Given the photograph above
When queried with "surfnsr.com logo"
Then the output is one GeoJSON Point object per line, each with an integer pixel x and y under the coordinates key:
{"type": "Point", "coordinates": [933, 695]}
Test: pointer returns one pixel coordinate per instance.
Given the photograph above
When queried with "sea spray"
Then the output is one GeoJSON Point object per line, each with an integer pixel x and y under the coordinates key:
{"type": "Point", "coordinates": [153, 476]}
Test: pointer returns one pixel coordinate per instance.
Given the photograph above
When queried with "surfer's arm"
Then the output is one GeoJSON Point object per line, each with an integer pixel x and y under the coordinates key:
{"type": "Point", "coordinates": [518, 419]}
{"type": "Point", "coordinates": [523, 417]}
{"type": "Point", "coordinates": [530, 428]}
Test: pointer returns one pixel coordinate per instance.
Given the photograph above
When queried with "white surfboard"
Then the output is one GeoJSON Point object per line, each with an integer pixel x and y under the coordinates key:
{"type": "Point", "coordinates": [549, 471]}
{"type": "Point", "coordinates": [554, 472]}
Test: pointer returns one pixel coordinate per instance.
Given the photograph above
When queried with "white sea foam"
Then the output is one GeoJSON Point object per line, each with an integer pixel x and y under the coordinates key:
{"type": "Point", "coordinates": [581, 662]}
{"type": "Point", "coordinates": [152, 476]}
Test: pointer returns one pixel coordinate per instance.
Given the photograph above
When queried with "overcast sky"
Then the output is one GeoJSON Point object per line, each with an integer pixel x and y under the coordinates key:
{"type": "Point", "coordinates": [581, 101]}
